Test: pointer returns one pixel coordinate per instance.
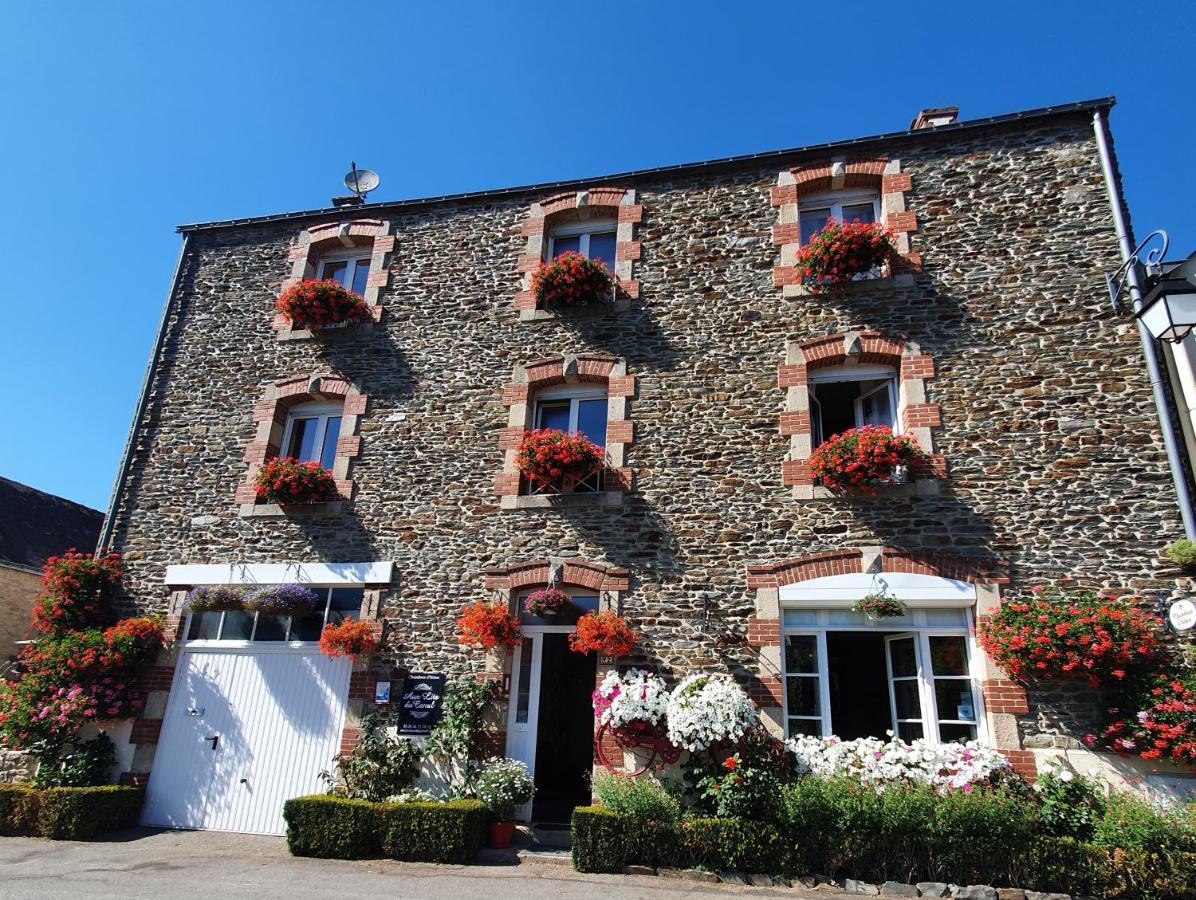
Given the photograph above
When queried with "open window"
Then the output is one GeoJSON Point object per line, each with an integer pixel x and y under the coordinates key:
{"type": "Point", "coordinates": [348, 268]}
{"type": "Point", "coordinates": [845, 207]}
{"type": "Point", "coordinates": [594, 239]}
{"type": "Point", "coordinates": [846, 397]}
{"type": "Point", "coordinates": [574, 409]}
{"type": "Point", "coordinates": [311, 432]}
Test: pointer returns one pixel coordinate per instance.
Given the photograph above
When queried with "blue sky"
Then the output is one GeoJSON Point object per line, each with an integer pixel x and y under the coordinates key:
{"type": "Point", "coordinates": [125, 119]}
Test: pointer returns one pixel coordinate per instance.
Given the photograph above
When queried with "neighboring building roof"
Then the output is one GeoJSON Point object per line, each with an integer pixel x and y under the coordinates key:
{"type": "Point", "coordinates": [683, 169]}
{"type": "Point", "coordinates": [35, 525]}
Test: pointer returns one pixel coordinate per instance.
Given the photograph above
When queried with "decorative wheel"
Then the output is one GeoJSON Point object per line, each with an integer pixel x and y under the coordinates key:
{"type": "Point", "coordinates": [648, 746]}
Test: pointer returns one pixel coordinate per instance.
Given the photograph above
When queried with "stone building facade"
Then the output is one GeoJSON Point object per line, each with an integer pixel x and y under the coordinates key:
{"type": "Point", "coordinates": [1008, 366]}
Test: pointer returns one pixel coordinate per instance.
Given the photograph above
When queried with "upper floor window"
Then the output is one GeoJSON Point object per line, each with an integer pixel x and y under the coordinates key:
{"type": "Point", "coordinates": [594, 239]}
{"type": "Point", "coordinates": [312, 431]}
{"type": "Point", "coordinates": [575, 409]}
{"type": "Point", "coordinates": [349, 269]}
{"type": "Point", "coordinates": [846, 397]}
{"type": "Point", "coordinates": [841, 206]}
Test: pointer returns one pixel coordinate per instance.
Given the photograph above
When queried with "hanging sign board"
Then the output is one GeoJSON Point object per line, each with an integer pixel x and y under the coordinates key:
{"type": "Point", "coordinates": [1182, 615]}
{"type": "Point", "coordinates": [420, 704]}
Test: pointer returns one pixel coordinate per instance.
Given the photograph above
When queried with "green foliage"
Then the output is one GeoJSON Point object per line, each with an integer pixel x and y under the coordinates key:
{"type": "Point", "coordinates": [455, 739]}
{"type": "Point", "coordinates": [599, 839]}
{"type": "Point", "coordinates": [736, 790]}
{"type": "Point", "coordinates": [1069, 805]}
{"type": "Point", "coordinates": [80, 813]}
{"type": "Point", "coordinates": [643, 799]}
{"type": "Point", "coordinates": [1182, 552]}
{"type": "Point", "coordinates": [448, 832]}
{"type": "Point", "coordinates": [19, 805]}
{"type": "Point", "coordinates": [329, 827]}
{"type": "Point", "coordinates": [74, 764]}
{"type": "Point", "coordinates": [378, 768]}
{"type": "Point", "coordinates": [1134, 823]}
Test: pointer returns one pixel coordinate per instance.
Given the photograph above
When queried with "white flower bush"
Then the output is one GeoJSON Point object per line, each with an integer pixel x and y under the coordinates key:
{"type": "Point", "coordinates": [878, 763]}
{"type": "Point", "coordinates": [505, 785]}
{"type": "Point", "coordinates": [708, 709]}
{"type": "Point", "coordinates": [636, 696]}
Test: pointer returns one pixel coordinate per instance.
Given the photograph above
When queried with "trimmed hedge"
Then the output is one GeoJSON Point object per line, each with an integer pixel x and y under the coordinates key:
{"type": "Point", "coordinates": [68, 813]}
{"type": "Point", "coordinates": [331, 827]}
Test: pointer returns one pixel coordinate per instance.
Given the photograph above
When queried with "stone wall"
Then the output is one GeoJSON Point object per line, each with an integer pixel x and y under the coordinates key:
{"type": "Point", "coordinates": [1054, 457]}
{"type": "Point", "coordinates": [16, 765]}
{"type": "Point", "coordinates": [17, 590]}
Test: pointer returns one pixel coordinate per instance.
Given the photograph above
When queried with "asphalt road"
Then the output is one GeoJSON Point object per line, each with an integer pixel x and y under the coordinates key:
{"type": "Point", "coordinates": [197, 865]}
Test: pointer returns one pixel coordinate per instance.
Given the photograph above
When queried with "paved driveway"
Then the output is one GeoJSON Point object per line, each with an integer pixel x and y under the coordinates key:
{"type": "Point", "coordinates": [197, 865]}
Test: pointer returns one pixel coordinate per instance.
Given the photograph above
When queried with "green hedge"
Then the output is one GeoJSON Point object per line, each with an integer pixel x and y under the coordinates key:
{"type": "Point", "coordinates": [332, 827]}
{"type": "Point", "coordinates": [68, 813]}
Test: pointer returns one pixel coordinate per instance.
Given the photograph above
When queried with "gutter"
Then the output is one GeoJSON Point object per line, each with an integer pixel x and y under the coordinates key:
{"type": "Point", "coordinates": [1125, 242]}
{"type": "Point", "coordinates": [126, 465]}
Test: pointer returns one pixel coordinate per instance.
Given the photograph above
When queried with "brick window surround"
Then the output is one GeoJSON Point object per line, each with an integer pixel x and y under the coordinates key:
{"type": "Point", "coordinates": [915, 416]}
{"type": "Point", "coordinates": [879, 173]}
{"type": "Point", "coordinates": [520, 398]}
{"type": "Point", "coordinates": [569, 208]}
{"type": "Point", "coordinates": [328, 237]}
{"type": "Point", "coordinates": [1003, 698]}
{"type": "Point", "coordinates": [270, 417]}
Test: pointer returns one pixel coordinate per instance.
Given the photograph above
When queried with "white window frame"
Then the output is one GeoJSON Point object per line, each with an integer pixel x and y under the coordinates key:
{"type": "Point", "coordinates": [834, 201]}
{"type": "Point", "coordinates": [321, 411]}
{"type": "Point", "coordinates": [584, 230]}
{"type": "Point", "coordinates": [356, 257]}
{"type": "Point", "coordinates": [924, 632]}
{"type": "Point", "coordinates": [574, 393]}
{"type": "Point", "coordinates": [323, 589]}
{"type": "Point", "coordinates": [838, 374]}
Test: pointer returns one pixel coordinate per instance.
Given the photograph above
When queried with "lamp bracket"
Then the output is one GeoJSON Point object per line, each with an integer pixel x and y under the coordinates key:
{"type": "Point", "coordinates": [1118, 280]}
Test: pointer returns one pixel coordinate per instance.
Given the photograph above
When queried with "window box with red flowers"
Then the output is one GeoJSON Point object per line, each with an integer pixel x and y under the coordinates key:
{"type": "Point", "coordinates": [556, 462]}
{"type": "Point", "coordinates": [291, 483]}
{"type": "Point", "coordinates": [862, 459]}
{"type": "Point", "coordinates": [605, 633]}
{"type": "Point", "coordinates": [570, 281]}
{"type": "Point", "coordinates": [840, 254]}
{"type": "Point", "coordinates": [317, 306]}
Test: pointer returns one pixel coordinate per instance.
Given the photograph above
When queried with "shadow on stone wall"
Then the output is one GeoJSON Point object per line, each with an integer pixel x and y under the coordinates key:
{"type": "Point", "coordinates": [943, 523]}
{"type": "Point", "coordinates": [388, 374]}
{"type": "Point", "coordinates": [634, 334]}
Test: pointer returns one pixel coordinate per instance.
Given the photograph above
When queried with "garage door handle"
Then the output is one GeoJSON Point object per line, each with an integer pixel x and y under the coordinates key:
{"type": "Point", "coordinates": [214, 738]}
{"type": "Point", "coordinates": [244, 781]}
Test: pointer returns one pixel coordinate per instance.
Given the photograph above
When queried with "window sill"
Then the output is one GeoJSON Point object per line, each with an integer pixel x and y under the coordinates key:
{"type": "Point", "coordinates": [918, 487]}
{"type": "Point", "coordinates": [304, 510]}
{"type": "Point", "coordinates": [335, 333]}
{"type": "Point", "coordinates": [611, 499]}
{"type": "Point", "coordinates": [591, 311]}
{"type": "Point", "coordinates": [863, 286]}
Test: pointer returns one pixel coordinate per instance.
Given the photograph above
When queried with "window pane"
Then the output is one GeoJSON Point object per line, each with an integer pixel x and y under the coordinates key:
{"type": "Point", "coordinates": [238, 626]}
{"type": "Point", "coordinates": [905, 662]}
{"type": "Point", "coordinates": [525, 681]}
{"type": "Point", "coordinates": [554, 415]}
{"type": "Point", "coordinates": [805, 726]}
{"type": "Point", "coordinates": [953, 698]}
{"type": "Point", "coordinates": [801, 653]}
{"type": "Point", "coordinates": [948, 656]}
{"type": "Point", "coordinates": [800, 618]}
{"type": "Point", "coordinates": [307, 628]}
{"type": "Point", "coordinates": [204, 626]}
{"type": "Point", "coordinates": [859, 212]}
{"type": "Point", "coordinates": [271, 628]}
{"type": "Point", "coordinates": [812, 222]}
{"type": "Point", "coordinates": [803, 696]}
{"type": "Point", "coordinates": [602, 246]}
{"type": "Point", "coordinates": [591, 420]}
{"type": "Point", "coordinates": [846, 617]}
{"type": "Point", "coordinates": [960, 733]}
{"type": "Point", "coordinates": [946, 617]}
{"type": "Point", "coordinates": [303, 439]}
{"type": "Point", "coordinates": [905, 693]}
{"type": "Point", "coordinates": [565, 245]}
{"type": "Point", "coordinates": [331, 433]}
{"type": "Point", "coordinates": [360, 274]}
{"type": "Point", "coordinates": [909, 731]}
{"type": "Point", "coordinates": [336, 271]}
{"type": "Point", "coordinates": [876, 408]}
{"type": "Point", "coordinates": [345, 604]}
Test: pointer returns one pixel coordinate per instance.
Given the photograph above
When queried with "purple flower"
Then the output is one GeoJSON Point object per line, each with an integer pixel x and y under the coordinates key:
{"type": "Point", "coordinates": [283, 600]}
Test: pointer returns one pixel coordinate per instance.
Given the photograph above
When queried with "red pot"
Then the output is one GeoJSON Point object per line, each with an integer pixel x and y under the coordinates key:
{"type": "Point", "coordinates": [500, 834]}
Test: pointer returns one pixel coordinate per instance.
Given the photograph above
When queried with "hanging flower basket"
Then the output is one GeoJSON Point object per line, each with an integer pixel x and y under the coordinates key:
{"type": "Point", "coordinates": [286, 481]}
{"type": "Point", "coordinates": [485, 625]}
{"type": "Point", "coordinates": [605, 633]}
{"type": "Point", "coordinates": [880, 605]}
{"type": "Point", "coordinates": [547, 602]}
{"type": "Point", "coordinates": [351, 637]}
{"type": "Point", "coordinates": [216, 598]}
{"type": "Point", "coordinates": [555, 460]}
{"type": "Point", "coordinates": [861, 458]}
{"type": "Point", "coordinates": [706, 710]}
{"type": "Point", "coordinates": [571, 280]}
{"type": "Point", "coordinates": [840, 252]}
{"type": "Point", "coordinates": [282, 600]}
{"type": "Point", "coordinates": [320, 304]}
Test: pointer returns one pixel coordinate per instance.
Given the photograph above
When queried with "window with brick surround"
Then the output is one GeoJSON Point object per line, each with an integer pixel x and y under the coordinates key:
{"type": "Point", "coordinates": [593, 239]}
{"type": "Point", "coordinates": [336, 604]}
{"type": "Point", "coordinates": [844, 207]}
{"type": "Point", "coordinates": [348, 268]}
{"type": "Point", "coordinates": [312, 431]}
{"type": "Point", "coordinates": [574, 409]}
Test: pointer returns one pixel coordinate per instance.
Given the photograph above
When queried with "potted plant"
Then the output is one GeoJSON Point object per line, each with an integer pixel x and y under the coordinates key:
{"type": "Point", "coordinates": [320, 304]}
{"type": "Point", "coordinates": [547, 602]}
{"type": "Point", "coordinates": [215, 598]}
{"type": "Point", "coordinates": [555, 460]}
{"type": "Point", "coordinates": [605, 633]}
{"type": "Point", "coordinates": [571, 280]}
{"type": "Point", "coordinates": [352, 637]}
{"type": "Point", "coordinates": [485, 625]}
{"type": "Point", "coordinates": [286, 481]}
{"type": "Point", "coordinates": [859, 459]}
{"type": "Point", "coordinates": [504, 786]}
{"type": "Point", "coordinates": [282, 600]}
{"type": "Point", "coordinates": [841, 251]}
{"type": "Point", "coordinates": [880, 605]}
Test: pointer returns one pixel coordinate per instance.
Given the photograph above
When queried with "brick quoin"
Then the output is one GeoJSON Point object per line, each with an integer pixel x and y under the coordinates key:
{"type": "Point", "coordinates": [1003, 696]}
{"type": "Point", "coordinates": [972, 569]}
{"type": "Point", "coordinates": [145, 731]}
{"type": "Point", "coordinates": [765, 690]}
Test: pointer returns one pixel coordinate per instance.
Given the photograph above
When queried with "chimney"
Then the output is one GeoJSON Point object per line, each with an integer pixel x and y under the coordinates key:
{"type": "Point", "coordinates": [932, 118]}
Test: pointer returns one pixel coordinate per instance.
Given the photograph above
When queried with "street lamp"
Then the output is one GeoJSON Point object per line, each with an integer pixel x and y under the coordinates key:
{"type": "Point", "coordinates": [1162, 296]}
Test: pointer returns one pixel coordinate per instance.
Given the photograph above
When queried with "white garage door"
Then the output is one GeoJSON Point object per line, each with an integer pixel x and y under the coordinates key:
{"type": "Point", "coordinates": [244, 731]}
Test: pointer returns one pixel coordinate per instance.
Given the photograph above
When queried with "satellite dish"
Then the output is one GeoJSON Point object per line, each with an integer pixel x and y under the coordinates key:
{"type": "Point", "coordinates": [361, 181]}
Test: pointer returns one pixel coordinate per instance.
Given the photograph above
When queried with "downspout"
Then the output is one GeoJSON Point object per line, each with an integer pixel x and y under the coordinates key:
{"type": "Point", "coordinates": [142, 402]}
{"type": "Point", "coordinates": [1149, 348]}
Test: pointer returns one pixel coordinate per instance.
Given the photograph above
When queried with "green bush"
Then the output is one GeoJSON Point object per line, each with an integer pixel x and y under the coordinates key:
{"type": "Point", "coordinates": [434, 832]}
{"type": "Point", "coordinates": [19, 805]}
{"type": "Point", "coordinates": [599, 839]}
{"type": "Point", "coordinates": [1182, 552]}
{"type": "Point", "coordinates": [80, 813]}
{"type": "Point", "coordinates": [378, 768]}
{"type": "Point", "coordinates": [330, 827]}
{"type": "Point", "coordinates": [643, 799]}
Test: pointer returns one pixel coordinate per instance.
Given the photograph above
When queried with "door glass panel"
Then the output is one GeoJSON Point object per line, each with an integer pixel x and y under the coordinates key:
{"type": "Point", "coordinates": [958, 733]}
{"type": "Point", "coordinates": [591, 420]}
{"type": "Point", "coordinates": [905, 695]}
{"type": "Point", "coordinates": [805, 726]}
{"type": "Point", "coordinates": [360, 274]}
{"type": "Point", "coordinates": [904, 657]}
{"type": "Point", "coordinates": [953, 699]}
{"type": "Point", "coordinates": [523, 697]}
{"type": "Point", "coordinates": [238, 626]}
{"type": "Point", "coordinates": [602, 246]}
{"type": "Point", "coordinates": [801, 653]}
{"type": "Point", "coordinates": [271, 628]}
{"type": "Point", "coordinates": [345, 604]}
{"type": "Point", "coordinates": [812, 222]}
{"type": "Point", "coordinates": [565, 245]}
{"type": "Point", "coordinates": [555, 415]}
{"type": "Point", "coordinates": [859, 212]}
{"type": "Point", "coordinates": [803, 696]}
{"type": "Point", "coordinates": [948, 656]}
{"type": "Point", "coordinates": [336, 270]}
{"type": "Point", "coordinates": [332, 431]}
{"type": "Point", "coordinates": [303, 439]}
{"type": "Point", "coordinates": [205, 626]}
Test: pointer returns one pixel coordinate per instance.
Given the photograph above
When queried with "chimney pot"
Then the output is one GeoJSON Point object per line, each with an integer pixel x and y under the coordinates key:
{"type": "Point", "coordinates": [932, 118]}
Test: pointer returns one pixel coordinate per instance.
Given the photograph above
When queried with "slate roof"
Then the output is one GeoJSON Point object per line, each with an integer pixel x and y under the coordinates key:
{"type": "Point", "coordinates": [35, 525]}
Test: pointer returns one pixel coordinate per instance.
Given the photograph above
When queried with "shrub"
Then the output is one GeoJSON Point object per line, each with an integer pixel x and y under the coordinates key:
{"type": "Point", "coordinates": [708, 709]}
{"type": "Point", "coordinates": [841, 251]}
{"type": "Point", "coordinates": [76, 763]}
{"type": "Point", "coordinates": [76, 591]}
{"type": "Point", "coordinates": [351, 637]}
{"type": "Point", "coordinates": [860, 458]}
{"type": "Point", "coordinates": [330, 827]}
{"type": "Point", "coordinates": [80, 813]}
{"type": "Point", "coordinates": [485, 625]}
{"type": "Point", "coordinates": [643, 799]}
{"type": "Point", "coordinates": [547, 602]}
{"type": "Point", "coordinates": [449, 832]}
{"type": "Point", "coordinates": [215, 598]}
{"type": "Point", "coordinates": [734, 789]}
{"type": "Point", "coordinates": [1069, 805]}
{"type": "Point", "coordinates": [317, 304]}
{"type": "Point", "coordinates": [456, 739]}
{"type": "Point", "coordinates": [605, 633]}
{"type": "Point", "coordinates": [503, 786]}
{"type": "Point", "coordinates": [287, 481]}
{"type": "Point", "coordinates": [1134, 823]}
{"type": "Point", "coordinates": [556, 459]}
{"type": "Point", "coordinates": [282, 600]}
{"type": "Point", "coordinates": [570, 280]}
{"type": "Point", "coordinates": [734, 845]}
{"type": "Point", "coordinates": [19, 806]}
{"type": "Point", "coordinates": [1182, 552]}
{"type": "Point", "coordinates": [378, 768]}
{"type": "Point", "coordinates": [598, 839]}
